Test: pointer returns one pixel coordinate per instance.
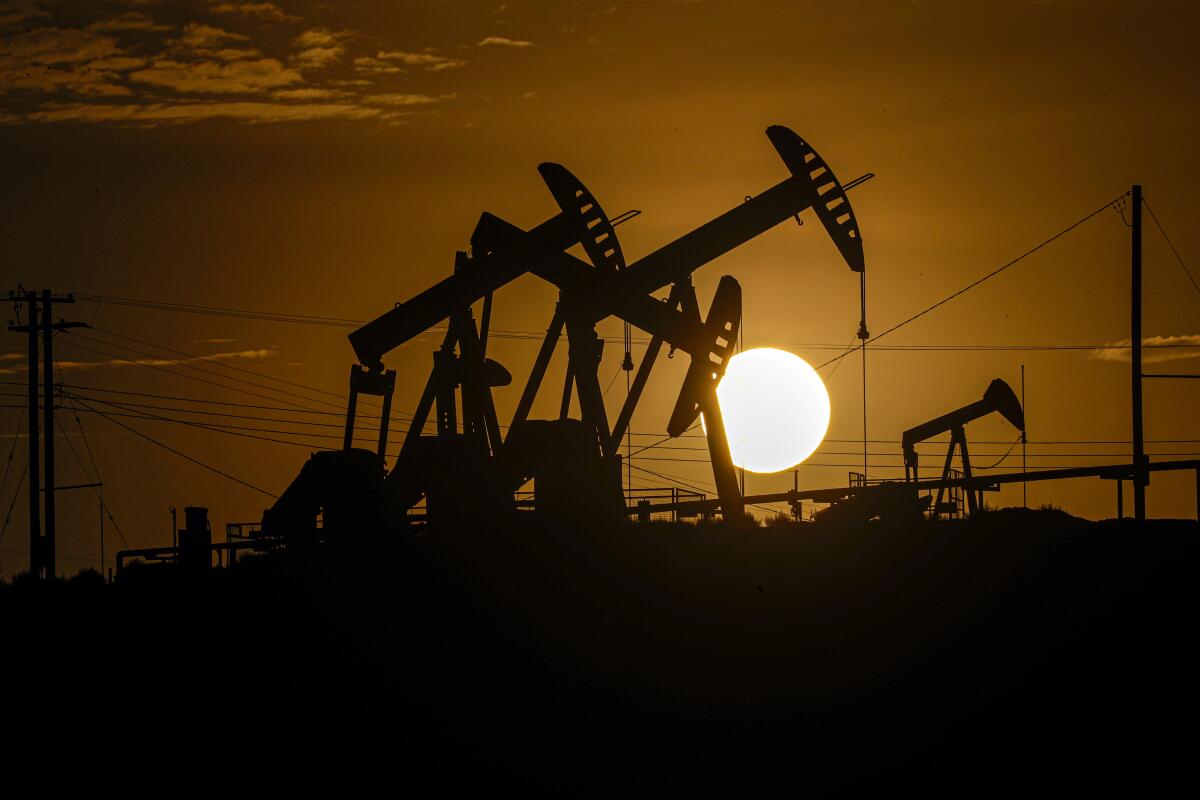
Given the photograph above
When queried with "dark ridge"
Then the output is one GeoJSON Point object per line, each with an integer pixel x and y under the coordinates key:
{"type": "Point", "coordinates": [1019, 650]}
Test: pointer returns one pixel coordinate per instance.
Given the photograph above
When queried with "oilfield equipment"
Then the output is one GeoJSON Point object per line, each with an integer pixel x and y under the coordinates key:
{"type": "Point", "coordinates": [997, 398]}
{"type": "Point", "coordinates": [469, 469]}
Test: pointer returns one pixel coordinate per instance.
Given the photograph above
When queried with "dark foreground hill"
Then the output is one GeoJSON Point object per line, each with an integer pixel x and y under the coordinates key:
{"type": "Point", "coordinates": [1018, 651]}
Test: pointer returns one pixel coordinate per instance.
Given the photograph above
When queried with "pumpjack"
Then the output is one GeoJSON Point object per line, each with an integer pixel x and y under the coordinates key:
{"type": "Point", "coordinates": [469, 467]}
{"type": "Point", "coordinates": [999, 398]}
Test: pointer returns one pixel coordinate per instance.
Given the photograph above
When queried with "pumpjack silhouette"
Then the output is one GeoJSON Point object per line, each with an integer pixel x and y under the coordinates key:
{"type": "Point", "coordinates": [469, 468]}
{"type": "Point", "coordinates": [999, 398]}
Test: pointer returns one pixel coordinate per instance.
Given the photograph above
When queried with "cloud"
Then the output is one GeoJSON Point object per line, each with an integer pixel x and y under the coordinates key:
{"type": "Point", "coordinates": [211, 77]}
{"type": "Point", "coordinates": [77, 366]}
{"type": "Point", "coordinates": [405, 99]}
{"type": "Point", "coordinates": [51, 60]}
{"type": "Point", "coordinates": [129, 21]}
{"type": "Point", "coordinates": [320, 37]}
{"type": "Point", "coordinates": [427, 60]}
{"type": "Point", "coordinates": [15, 12]}
{"type": "Point", "coordinates": [1160, 349]}
{"type": "Point", "coordinates": [373, 66]}
{"type": "Point", "coordinates": [317, 57]}
{"type": "Point", "coordinates": [306, 94]}
{"type": "Point", "coordinates": [160, 114]}
{"type": "Point", "coordinates": [53, 46]}
{"type": "Point", "coordinates": [503, 42]}
{"type": "Point", "coordinates": [266, 11]}
{"type": "Point", "coordinates": [199, 36]}
{"type": "Point", "coordinates": [319, 47]}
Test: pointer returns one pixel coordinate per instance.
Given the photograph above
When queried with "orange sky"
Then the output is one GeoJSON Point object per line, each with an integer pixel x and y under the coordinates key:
{"type": "Point", "coordinates": [309, 158]}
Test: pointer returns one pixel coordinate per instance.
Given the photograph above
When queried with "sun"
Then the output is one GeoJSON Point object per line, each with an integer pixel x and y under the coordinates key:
{"type": "Point", "coordinates": [775, 407]}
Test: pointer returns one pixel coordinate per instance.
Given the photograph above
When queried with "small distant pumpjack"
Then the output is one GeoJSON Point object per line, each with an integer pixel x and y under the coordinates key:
{"type": "Point", "coordinates": [999, 398]}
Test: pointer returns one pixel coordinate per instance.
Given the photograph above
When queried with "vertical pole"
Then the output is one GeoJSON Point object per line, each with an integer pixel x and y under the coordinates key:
{"type": "Point", "coordinates": [100, 489]}
{"type": "Point", "coordinates": [351, 409]}
{"type": "Point", "coordinates": [35, 499]}
{"type": "Point", "coordinates": [1120, 499]}
{"type": "Point", "coordinates": [863, 335]}
{"type": "Point", "coordinates": [1139, 447]}
{"type": "Point", "coordinates": [1198, 495]}
{"type": "Point", "coordinates": [48, 426]}
{"type": "Point", "coordinates": [740, 348]}
{"type": "Point", "coordinates": [384, 418]}
{"type": "Point", "coordinates": [864, 387]}
{"type": "Point", "coordinates": [1024, 468]}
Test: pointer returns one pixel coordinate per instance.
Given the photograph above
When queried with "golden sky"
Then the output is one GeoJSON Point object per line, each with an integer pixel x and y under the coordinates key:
{"type": "Point", "coordinates": [328, 159]}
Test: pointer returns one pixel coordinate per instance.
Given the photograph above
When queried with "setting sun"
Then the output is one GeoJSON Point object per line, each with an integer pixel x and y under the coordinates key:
{"type": "Point", "coordinates": [776, 409]}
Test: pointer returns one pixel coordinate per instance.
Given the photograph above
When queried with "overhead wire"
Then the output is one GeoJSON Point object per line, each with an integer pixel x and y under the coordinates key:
{"type": "Point", "coordinates": [16, 495]}
{"type": "Point", "coordinates": [183, 455]}
{"type": "Point", "coordinates": [982, 279]}
{"type": "Point", "coordinates": [1171, 245]}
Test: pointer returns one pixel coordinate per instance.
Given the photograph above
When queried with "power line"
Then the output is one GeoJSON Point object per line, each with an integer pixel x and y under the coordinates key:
{"type": "Point", "coordinates": [185, 456]}
{"type": "Point", "coordinates": [184, 374]}
{"type": "Point", "coordinates": [1171, 245]}
{"type": "Point", "coordinates": [229, 430]}
{"type": "Point", "coordinates": [16, 495]}
{"type": "Point", "coordinates": [285, 317]}
{"type": "Point", "coordinates": [11, 451]}
{"type": "Point", "coordinates": [214, 372]}
{"type": "Point", "coordinates": [975, 283]}
{"type": "Point", "coordinates": [221, 364]}
{"type": "Point", "coordinates": [95, 490]}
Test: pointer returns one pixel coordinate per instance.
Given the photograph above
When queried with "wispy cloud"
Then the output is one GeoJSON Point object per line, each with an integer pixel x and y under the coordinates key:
{"type": "Point", "coordinates": [129, 21]}
{"type": "Point", "coordinates": [424, 60]}
{"type": "Point", "coordinates": [320, 37]}
{"type": "Point", "coordinates": [1159, 349]}
{"type": "Point", "coordinates": [155, 114]}
{"type": "Point", "coordinates": [405, 99]}
{"type": "Point", "coordinates": [306, 94]}
{"type": "Point", "coordinates": [17, 12]}
{"type": "Point", "coordinates": [319, 47]}
{"type": "Point", "coordinates": [264, 11]}
{"type": "Point", "coordinates": [140, 66]}
{"type": "Point", "coordinates": [368, 65]}
{"type": "Point", "coordinates": [502, 41]}
{"type": "Point", "coordinates": [79, 366]}
{"type": "Point", "coordinates": [54, 60]}
{"type": "Point", "coordinates": [199, 36]}
{"type": "Point", "coordinates": [238, 77]}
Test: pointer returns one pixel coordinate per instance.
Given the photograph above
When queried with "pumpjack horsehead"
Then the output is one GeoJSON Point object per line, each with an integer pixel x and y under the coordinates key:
{"type": "Point", "coordinates": [473, 467]}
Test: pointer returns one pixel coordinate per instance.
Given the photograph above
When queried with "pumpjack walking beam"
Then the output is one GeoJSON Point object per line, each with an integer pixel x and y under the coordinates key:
{"type": "Point", "coordinates": [811, 185]}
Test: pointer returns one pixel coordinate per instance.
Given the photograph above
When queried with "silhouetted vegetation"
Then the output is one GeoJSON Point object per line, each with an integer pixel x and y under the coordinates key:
{"type": "Point", "coordinates": [1025, 650]}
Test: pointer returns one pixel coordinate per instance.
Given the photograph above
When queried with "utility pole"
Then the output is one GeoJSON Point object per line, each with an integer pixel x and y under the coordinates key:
{"type": "Point", "coordinates": [41, 539]}
{"type": "Point", "coordinates": [1139, 447]}
{"type": "Point", "coordinates": [1024, 468]}
{"type": "Point", "coordinates": [35, 521]}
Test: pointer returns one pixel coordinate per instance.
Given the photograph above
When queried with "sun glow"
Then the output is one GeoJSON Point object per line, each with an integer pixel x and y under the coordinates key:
{"type": "Point", "coordinates": [775, 407]}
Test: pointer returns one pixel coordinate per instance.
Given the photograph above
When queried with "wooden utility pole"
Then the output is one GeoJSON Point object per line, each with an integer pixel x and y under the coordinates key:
{"type": "Point", "coordinates": [41, 539]}
{"type": "Point", "coordinates": [1139, 446]}
{"type": "Point", "coordinates": [35, 520]}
